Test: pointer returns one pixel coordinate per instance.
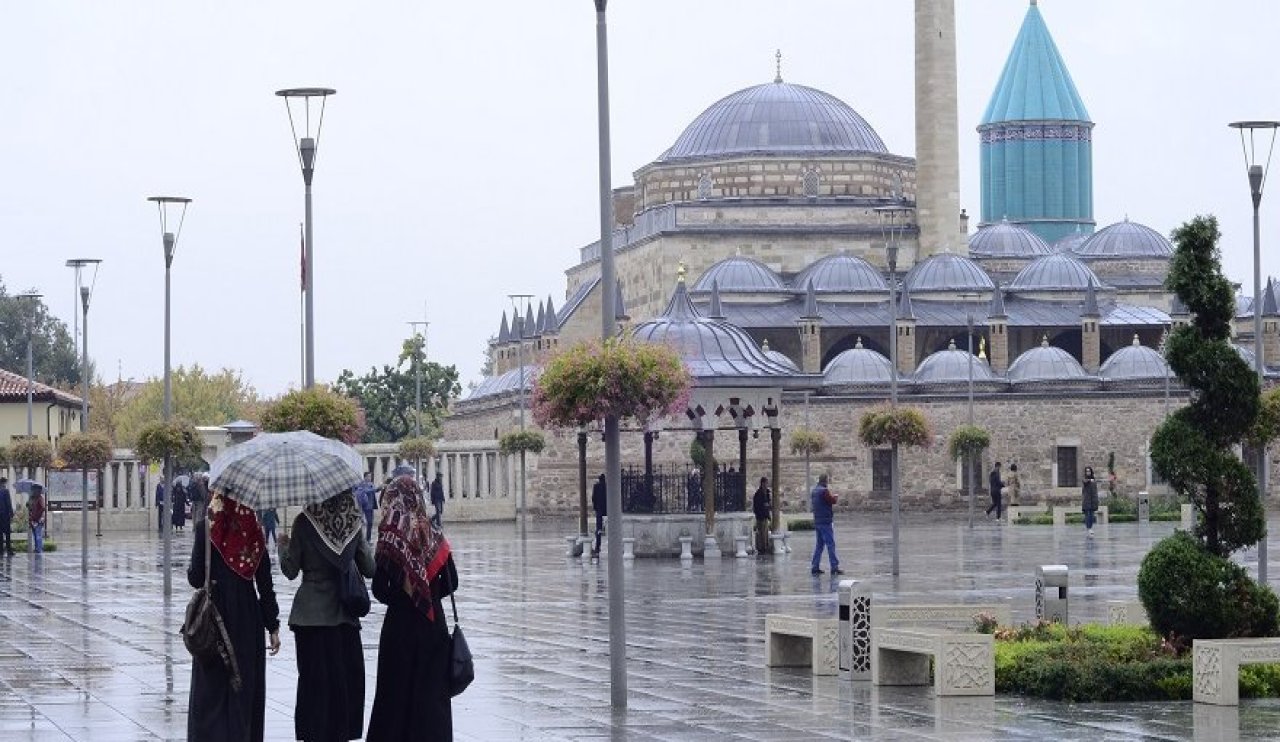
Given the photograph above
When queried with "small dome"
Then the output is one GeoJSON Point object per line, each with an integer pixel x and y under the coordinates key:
{"type": "Point", "coordinates": [1047, 366]}
{"type": "Point", "coordinates": [858, 369]}
{"type": "Point", "coordinates": [778, 357]}
{"type": "Point", "coordinates": [952, 366]}
{"type": "Point", "coordinates": [1125, 239]}
{"type": "Point", "coordinates": [1056, 272]}
{"type": "Point", "coordinates": [1134, 363]}
{"type": "Point", "coordinates": [1005, 240]}
{"type": "Point", "coordinates": [740, 275]}
{"type": "Point", "coordinates": [842, 274]}
{"type": "Point", "coordinates": [776, 118]}
{"type": "Point", "coordinates": [947, 272]}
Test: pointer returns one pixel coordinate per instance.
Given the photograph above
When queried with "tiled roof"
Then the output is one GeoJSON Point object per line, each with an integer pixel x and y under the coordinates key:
{"type": "Point", "coordinates": [1035, 84]}
{"type": "Point", "coordinates": [13, 388]}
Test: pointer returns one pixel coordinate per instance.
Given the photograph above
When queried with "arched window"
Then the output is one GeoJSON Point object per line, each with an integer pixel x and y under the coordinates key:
{"type": "Point", "coordinates": [704, 186]}
{"type": "Point", "coordinates": [811, 182]}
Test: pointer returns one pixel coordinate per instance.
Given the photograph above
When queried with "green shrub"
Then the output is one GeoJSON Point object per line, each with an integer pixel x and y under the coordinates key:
{"type": "Point", "coordinates": [318, 409]}
{"type": "Point", "coordinates": [800, 524]}
{"type": "Point", "coordinates": [884, 425]}
{"type": "Point", "coordinates": [620, 377]}
{"type": "Point", "coordinates": [31, 453]}
{"type": "Point", "coordinates": [1259, 681]}
{"type": "Point", "coordinates": [176, 438]}
{"type": "Point", "coordinates": [529, 441]}
{"type": "Point", "coordinates": [20, 545]}
{"type": "Point", "coordinates": [413, 449]}
{"type": "Point", "coordinates": [1117, 505]}
{"type": "Point", "coordinates": [805, 442]}
{"type": "Point", "coordinates": [968, 440]}
{"type": "Point", "coordinates": [698, 453]}
{"type": "Point", "coordinates": [1190, 593]}
{"type": "Point", "coordinates": [85, 450]}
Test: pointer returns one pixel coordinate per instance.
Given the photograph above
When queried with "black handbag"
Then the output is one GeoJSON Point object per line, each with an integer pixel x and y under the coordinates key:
{"type": "Point", "coordinates": [353, 593]}
{"type": "Point", "coordinates": [462, 669]}
{"type": "Point", "coordinates": [203, 632]}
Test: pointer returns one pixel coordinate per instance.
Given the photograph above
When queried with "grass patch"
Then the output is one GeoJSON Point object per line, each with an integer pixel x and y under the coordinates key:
{"type": "Point", "coordinates": [1104, 663]}
{"type": "Point", "coordinates": [800, 524]}
{"type": "Point", "coordinates": [20, 546]}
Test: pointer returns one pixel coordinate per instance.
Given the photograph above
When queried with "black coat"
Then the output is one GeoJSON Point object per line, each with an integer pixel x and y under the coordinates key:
{"type": "Point", "coordinates": [249, 610]}
{"type": "Point", "coordinates": [6, 509]}
{"type": "Point", "coordinates": [760, 504]}
{"type": "Point", "coordinates": [599, 498]}
{"type": "Point", "coordinates": [995, 482]}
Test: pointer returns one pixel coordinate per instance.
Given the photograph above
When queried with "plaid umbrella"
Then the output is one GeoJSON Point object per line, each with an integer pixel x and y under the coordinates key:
{"type": "Point", "coordinates": [281, 469]}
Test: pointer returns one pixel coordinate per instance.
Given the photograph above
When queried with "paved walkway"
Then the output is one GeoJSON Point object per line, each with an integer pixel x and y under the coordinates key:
{"type": "Point", "coordinates": [100, 659]}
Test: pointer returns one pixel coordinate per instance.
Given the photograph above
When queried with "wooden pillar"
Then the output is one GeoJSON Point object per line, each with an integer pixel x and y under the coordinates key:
{"type": "Point", "coordinates": [648, 465]}
{"type": "Point", "coordinates": [709, 480]}
{"type": "Point", "coordinates": [775, 445]}
{"type": "Point", "coordinates": [582, 482]}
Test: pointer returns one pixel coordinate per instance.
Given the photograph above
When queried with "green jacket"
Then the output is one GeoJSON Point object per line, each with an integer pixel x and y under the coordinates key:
{"type": "Point", "coordinates": [316, 602]}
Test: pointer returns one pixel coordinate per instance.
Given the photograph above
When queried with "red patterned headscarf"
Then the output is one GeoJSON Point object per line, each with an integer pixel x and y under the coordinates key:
{"type": "Point", "coordinates": [236, 535]}
{"type": "Point", "coordinates": [410, 543]}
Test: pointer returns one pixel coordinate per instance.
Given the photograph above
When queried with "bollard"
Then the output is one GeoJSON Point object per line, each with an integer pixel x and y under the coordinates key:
{"type": "Point", "coordinates": [1144, 507]}
{"type": "Point", "coordinates": [584, 544]}
{"type": "Point", "coordinates": [779, 543]}
{"type": "Point", "coordinates": [628, 548]}
{"type": "Point", "coordinates": [686, 547]}
{"type": "Point", "coordinates": [740, 544]}
{"type": "Point", "coordinates": [575, 546]}
{"type": "Point", "coordinates": [710, 547]}
{"type": "Point", "coordinates": [1051, 592]}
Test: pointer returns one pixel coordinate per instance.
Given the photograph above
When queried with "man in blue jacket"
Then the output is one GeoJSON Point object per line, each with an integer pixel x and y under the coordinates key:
{"type": "Point", "coordinates": [822, 499]}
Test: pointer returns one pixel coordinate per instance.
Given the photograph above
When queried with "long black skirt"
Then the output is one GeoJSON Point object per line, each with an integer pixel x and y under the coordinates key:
{"type": "Point", "coordinates": [412, 701]}
{"type": "Point", "coordinates": [330, 706]}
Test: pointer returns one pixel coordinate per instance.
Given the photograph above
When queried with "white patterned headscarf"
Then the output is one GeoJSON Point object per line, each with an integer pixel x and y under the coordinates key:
{"type": "Point", "coordinates": [338, 520]}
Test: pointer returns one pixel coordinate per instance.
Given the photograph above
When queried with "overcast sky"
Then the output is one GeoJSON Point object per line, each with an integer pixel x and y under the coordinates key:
{"type": "Point", "coordinates": [458, 160]}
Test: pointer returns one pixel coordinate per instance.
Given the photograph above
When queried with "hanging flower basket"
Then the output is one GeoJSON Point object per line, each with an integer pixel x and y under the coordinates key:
{"type": "Point", "coordinates": [415, 449]}
{"type": "Point", "coordinates": [620, 377]}
{"type": "Point", "coordinates": [905, 426]}
{"type": "Point", "coordinates": [31, 453]}
{"type": "Point", "coordinates": [530, 441]}
{"type": "Point", "coordinates": [85, 450]}
{"type": "Point", "coordinates": [805, 442]}
{"type": "Point", "coordinates": [176, 439]}
{"type": "Point", "coordinates": [318, 409]}
{"type": "Point", "coordinates": [967, 441]}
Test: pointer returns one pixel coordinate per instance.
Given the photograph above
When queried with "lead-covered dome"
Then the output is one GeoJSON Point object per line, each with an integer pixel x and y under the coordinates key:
{"type": "Point", "coordinates": [1056, 272]}
{"type": "Point", "coordinates": [740, 275]}
{"type": "Point", "coordinates": [1125, 239]}
{"type": "Point", "coordinates": [1048, 367]}
{"type": "Point", "coordinates": [1134, 365]}
{"type": "Point", "coordinates": [857, 369]}
{"type": "Point", "coordinates": [948, 370]}
{"type": "Point", "coordinates": [947, 272]}
{"type": "Point", "coordinates": [842, 273]}
{"type": "Point", "coordinates": [776, 118]}
{"type": "Point", "coordinates": [1005, 240]}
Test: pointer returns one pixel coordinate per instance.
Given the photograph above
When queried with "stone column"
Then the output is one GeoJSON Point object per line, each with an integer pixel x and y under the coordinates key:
{"type": "Point", "coordinates": [709, 480]}
{"type": "Point", "coordinates": [998, 329]}
{"type": "Point", "coordinates": [484, 475]}
{"type": "Point", "coordinates": [446, 469]}
{"type": "Point", "coordinates": [810, 346]}
{"type": "Point", "coordinates": [1271, 341]}
{"type": "Point", "coordinates": [906, 345]}
{"type": "Point", "coordinates": [937, 127]}
{"type": "Point", "coordinates": [1091, 344]}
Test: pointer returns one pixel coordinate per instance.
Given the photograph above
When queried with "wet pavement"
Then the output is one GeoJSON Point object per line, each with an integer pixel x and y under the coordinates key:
{"type": "Point", "coordinates": [100, 659]}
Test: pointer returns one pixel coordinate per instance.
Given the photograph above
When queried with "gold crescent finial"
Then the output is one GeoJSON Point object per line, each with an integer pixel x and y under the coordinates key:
{"type": "Point", "coordinates": [982, 348]}
{"type": "Point", "coordinates": [680, 271]}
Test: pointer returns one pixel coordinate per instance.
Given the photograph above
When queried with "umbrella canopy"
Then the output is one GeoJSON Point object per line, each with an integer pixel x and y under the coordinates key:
{"type": "Point", "coordinates": [183, 480]}
{"type": "Point", "coordinates": [281, 469]}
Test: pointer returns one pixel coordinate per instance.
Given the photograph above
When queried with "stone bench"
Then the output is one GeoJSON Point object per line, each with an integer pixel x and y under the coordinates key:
{"type": "Point", "coordinates": [954, 616]}
{"type": "Point", "coordinates": [1060, 514]}
{"type": "Point", "coordinates": [796, 641]}
{"type": "Point", "coordinates": [1215, 666]}
{"type": "Point", "coordinates": [964, 664]}
{"type": "Point", "coordinates": [1126, 612]}
{"type": "Point", "coordinates": [1017, 511]}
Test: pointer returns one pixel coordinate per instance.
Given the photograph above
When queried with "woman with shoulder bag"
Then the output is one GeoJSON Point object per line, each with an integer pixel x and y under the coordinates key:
{"type": "Point", "coordinates": [240, 574]}
{"type": "Point", "coordinates": [414, 572]}
{"type": "Point", "coordinates": [330, 701]}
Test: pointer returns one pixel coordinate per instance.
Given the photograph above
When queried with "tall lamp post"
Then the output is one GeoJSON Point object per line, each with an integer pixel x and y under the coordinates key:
{"type": "Point", "coordinates": [1250, 133]}
{"type": "Point", "coordinates": [85, 293]}
{"type": "Point", "coordinates": [515, 302]}
{"type": "Point", "coordinates": [34, 299]}
{"type": "Point", "coordinates": [307, 147]}
{"type": "Point", "coordinates": [168, 206]}
{"type": "Point", "coordinates": [608, 328]}
{"type": "Point", "coordinates": [893, 222]}
{"type": "Point", "coordinates": [417, 373]}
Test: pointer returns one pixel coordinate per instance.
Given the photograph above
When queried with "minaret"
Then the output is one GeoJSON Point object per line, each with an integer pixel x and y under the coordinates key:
{"type": "Point", "coordinates": [811, 333]}
{"type": "Point", "coordinates": [937, 128]}
{"type": "Point", "coordinates": [1090, 337]}
{"type": "Point", "coordinates": [906, 334]}
{"type": "Point", "coordinates": [998, 328]}
{"type": "Point", "coordinates": [1270, 326]}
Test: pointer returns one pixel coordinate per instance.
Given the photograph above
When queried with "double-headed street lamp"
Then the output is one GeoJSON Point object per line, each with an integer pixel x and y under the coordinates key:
{"type": "Point", "coordinates": [34, 299]}
{"type": "Point", "coordinates": [893, 222]}
{"type": "Point", "coordinates": [85, 293]}
{"type": "Point", "coordinates": [307, 146]}
{"type": "Point", "coordinates": [168, 206]}
{"type": "Point", "coordinates": [1256, 168]}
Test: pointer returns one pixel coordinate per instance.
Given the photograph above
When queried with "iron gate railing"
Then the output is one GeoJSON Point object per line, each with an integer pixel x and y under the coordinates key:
{"type": "Point", "coordinates": [677, 489]}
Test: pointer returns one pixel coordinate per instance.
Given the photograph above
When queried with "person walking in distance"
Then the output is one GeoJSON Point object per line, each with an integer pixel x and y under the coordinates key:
{"type": "Point", "coordinates": [35, 513]}
{"type": "Point", "coordinates": [997, 487]}
{"type": "Point", "coordinates": [6, 517]}
{"type": "Point", "coordinates": [600, 505]}
{"type": "Point", "coordinates": [437, 497]}
{"type": "Point", "coordinates": [761, 503]}
{"type": "Point", "coordinates": [822, 500]}
{"type": "Point", "coordinates": [366, 496]}
{"type": "Point", "coordinates": [1089, 499]}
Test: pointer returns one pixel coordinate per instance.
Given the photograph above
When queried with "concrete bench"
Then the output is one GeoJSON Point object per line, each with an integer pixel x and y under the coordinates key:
{"type": "Point", "coordinates": [954, 616]}
{"type": "Point", "coordinates": [1017, 511]}
{"type": "Point", "coordinates": [1215, 666]}
{"type": "Point", "coordinates": [1060, 514]}
{"type": "Point", "coordinates": [795, 641]}
{"type": "Point", "coordinates": [964, 664]}
{"type": "Point", "coordinates": [1126, 612]}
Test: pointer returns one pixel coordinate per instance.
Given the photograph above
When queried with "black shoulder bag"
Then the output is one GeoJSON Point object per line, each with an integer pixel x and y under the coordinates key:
{"type": "Point", "coordinates": [353, 593]}
{"type": "Point", "coordinates": [203, 632]}
{"type": "Point", "coordinates": [462, 669]}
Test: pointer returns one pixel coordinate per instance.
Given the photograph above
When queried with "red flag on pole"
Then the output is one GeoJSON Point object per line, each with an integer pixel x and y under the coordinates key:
{"type": "Point", "coordinates": [302, 239]}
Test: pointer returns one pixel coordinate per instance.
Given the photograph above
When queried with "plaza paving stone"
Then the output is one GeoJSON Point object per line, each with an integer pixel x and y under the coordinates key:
{"type": "Point", "coordinates": [100, 659]}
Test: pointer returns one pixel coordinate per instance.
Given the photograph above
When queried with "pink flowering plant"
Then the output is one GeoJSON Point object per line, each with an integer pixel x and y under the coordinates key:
{"type": "Point", "coordinates": [620, 377]}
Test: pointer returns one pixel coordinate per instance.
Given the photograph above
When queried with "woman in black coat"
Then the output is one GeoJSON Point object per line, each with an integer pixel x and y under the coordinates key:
{"type": "Point", "coordinates": [179, 506]}
{"type": "Point", "coordinates": [240, 571]}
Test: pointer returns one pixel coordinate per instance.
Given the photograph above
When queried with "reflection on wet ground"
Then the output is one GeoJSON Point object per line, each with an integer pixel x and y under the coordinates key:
{"type": "Point", "coordinates": [99, 659]}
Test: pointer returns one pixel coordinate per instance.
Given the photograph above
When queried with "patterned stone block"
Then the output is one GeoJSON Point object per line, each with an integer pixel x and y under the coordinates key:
{"type": "Point", "coordinates": [1215, 666]}
{"type": "Point", "coordinates": [964, 664]}
{"type": "Point", "coordinates": [795, 641]}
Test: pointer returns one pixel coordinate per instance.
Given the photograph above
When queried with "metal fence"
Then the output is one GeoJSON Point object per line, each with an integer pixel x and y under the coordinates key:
{"type": "Point", "coordinates": [675, 489]}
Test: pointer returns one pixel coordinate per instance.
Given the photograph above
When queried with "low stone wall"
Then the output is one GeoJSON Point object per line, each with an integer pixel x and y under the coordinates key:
{"type": "Point", "coordinates": [659, 535]}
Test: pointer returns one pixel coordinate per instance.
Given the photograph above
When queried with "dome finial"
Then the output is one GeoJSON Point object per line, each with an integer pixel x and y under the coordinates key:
{"type": "Point", "coordinates": [982, 349]}
{"type": "Point", "coordinates": [777, 56]}
{"type": "Point", "coordinates": [1034, 3]}
{"type": "Point", "coordinates": [858, 345]}
{"type": "Point", "coordinates": [1044, 341]}
{"type": "Point", "coordinates": [680, 270]}
{"type": "Point", "coordinates": [952, 344]}
{"type": "Point", "coordinates": [764, 345]}
{"type": "Point", "coordinates": [1136, 341]}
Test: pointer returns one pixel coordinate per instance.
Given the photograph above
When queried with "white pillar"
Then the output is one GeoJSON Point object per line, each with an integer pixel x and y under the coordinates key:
{"type": "Point", "coordinates": [484, 474]}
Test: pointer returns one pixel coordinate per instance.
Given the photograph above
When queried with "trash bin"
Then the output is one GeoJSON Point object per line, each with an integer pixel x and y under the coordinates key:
{"type": "Point", "coordinates": [846, 628]}
{"type": "Point", "coordinates": [1051, 592]}
{"type": "Point", "coordinates": [1144, 507]}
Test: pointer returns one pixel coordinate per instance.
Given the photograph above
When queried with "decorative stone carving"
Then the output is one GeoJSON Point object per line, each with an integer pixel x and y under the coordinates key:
{"type": "Point", "coordinates": [1215, 666]}
{"type": "Point", "coordinates": [795, 641]}
{"type": "Point", "coordinates": [964, 663]}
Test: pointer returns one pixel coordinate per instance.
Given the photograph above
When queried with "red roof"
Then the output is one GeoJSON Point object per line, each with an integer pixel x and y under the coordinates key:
{"type": "Point", "coordinates": [13, 388]}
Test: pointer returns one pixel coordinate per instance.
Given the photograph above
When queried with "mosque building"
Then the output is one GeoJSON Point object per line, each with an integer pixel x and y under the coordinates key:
{"type": "Point", "coordinates": [762, 238]}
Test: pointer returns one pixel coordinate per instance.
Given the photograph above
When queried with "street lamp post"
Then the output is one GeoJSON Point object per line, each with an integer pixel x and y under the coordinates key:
{"type": "Point", "coordinates": [307, 147]}
{"type": "Point", "coordinates": [969, 319]}
{"type": "Point", "coordinates": [893, 227]}
{"type": "Point", "coordinates": [417, 372]}
{"type": "Point", "coordinates": [34, 299]}
{"type": "Point", "coordinates": [84, 293]}
{"type": "Point", "coordinates": [515, 302]}
{"type": "Point", "coordinates": [167, 205]}
{"type": "Point", "coordinates": [1250, 132]}
{"type": "Point", "coordinates": [608, 328]}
